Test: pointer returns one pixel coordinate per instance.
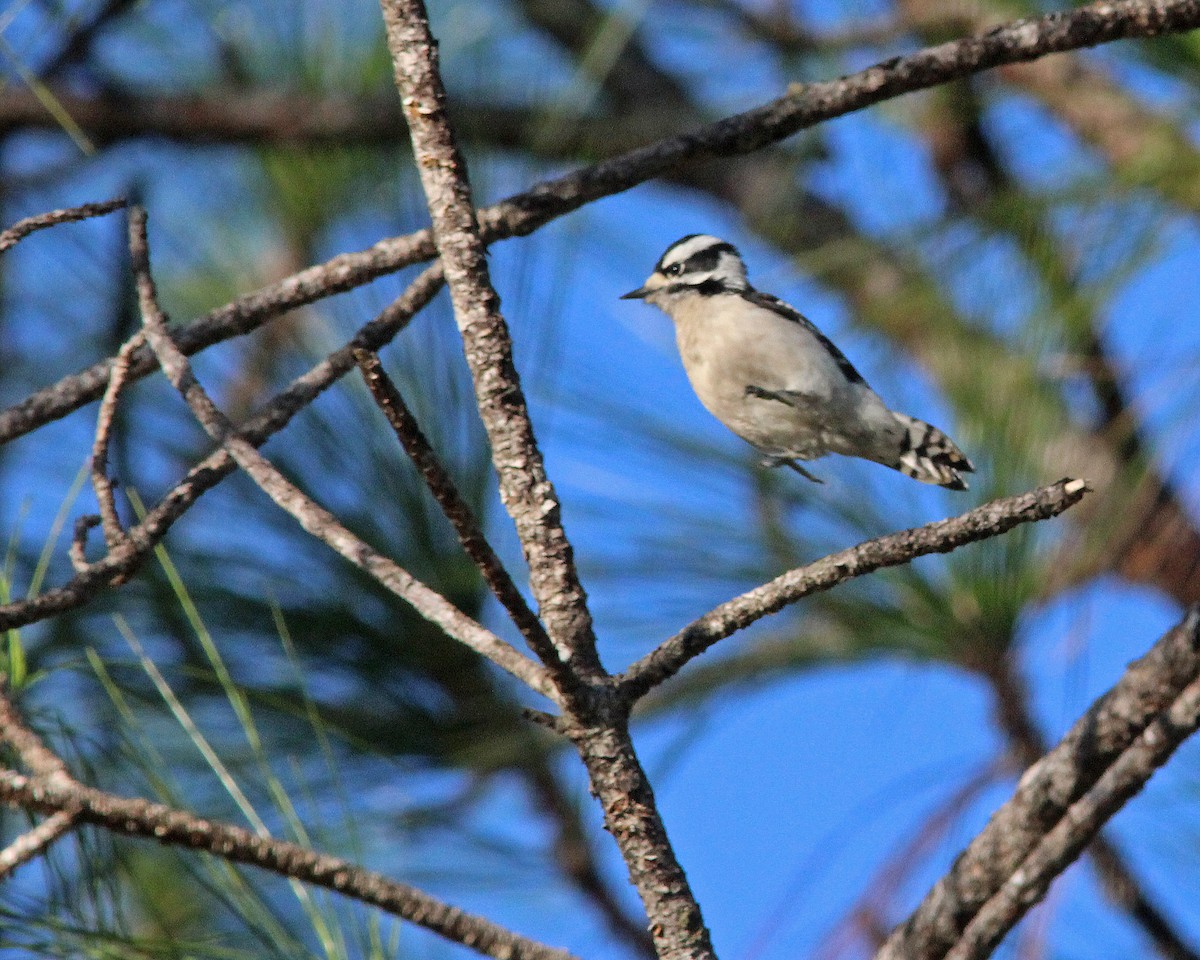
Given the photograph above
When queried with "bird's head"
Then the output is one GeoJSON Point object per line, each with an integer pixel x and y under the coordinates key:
{"type": "Point", "coordinates": [695, 265]}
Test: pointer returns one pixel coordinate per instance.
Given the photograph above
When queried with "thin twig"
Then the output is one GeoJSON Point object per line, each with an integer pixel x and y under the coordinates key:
{"type": "Point", "coordinates": [1061, 802]}
{"type": "Point", "coordinates": [142, 538]}
{"type": "Point", "coordinates": [110, 520]}
{"type": "Point", "coordinates": [802, 107]}
{"type": "Point", "coordinates": [34, 841]}
{"type": "Point", "coordinates": [311, 516]}
{"type": "Point", "coordinates": [77, 553]}
{"type": "Point", "coordinates": [33, 753]}
{"type": "Point", "coordinates": [23, 228]}
{"type": "Point", "coordinates": [983, 522]}
{"type": "Point", "coordinates": [458, 512]}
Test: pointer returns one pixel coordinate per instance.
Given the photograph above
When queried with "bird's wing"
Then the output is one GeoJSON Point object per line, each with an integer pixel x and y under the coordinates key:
{"type": "Point", "coordinates": [788, 312]}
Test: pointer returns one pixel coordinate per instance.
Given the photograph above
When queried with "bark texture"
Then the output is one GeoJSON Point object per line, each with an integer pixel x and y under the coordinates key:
{"type": "Point", "coordinates": [1060, 804]}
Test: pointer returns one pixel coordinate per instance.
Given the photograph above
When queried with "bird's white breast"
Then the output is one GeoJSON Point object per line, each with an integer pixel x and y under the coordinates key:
{"type": "Point", "coordinates": [727, 343]}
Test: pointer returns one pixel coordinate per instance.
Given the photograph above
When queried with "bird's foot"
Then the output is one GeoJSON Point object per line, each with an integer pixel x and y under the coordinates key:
{"type": "Point", "coordinates": [786, 462]}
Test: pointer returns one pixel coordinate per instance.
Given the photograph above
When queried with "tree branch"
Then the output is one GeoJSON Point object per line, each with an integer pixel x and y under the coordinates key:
{"type": "Point", "coordinates": [33, 753]}
{"type": "Point", "coordinates": [619, 783]}
{"type": "Point", "coordinates": [1155, 540]}
{"type": "Point", "coordinates": [311, 516]}
{"type": "Point", "coordinates": [1060, 804]}
{"type": "Point", "coordinates": [525, 490]}
{"type": "Point", "coordinates": [118, 565]}
{"type": "Point", "coordinates": [1152, 521]}
{"type": "Point", "coordinates": [23, 228]}
{"type": "Point", "coordinates": [155, 821]}
{"type": "Point", "coordinates": [1115, 876]}
{"type": "Point", "coordinates": [110, 520]}
{"type": "Point", "coordinates": [1080, 823]}
{"type": "Point", "coordinates": [33, 842]}
{"type": "Point", "coordinates": [45, 764]}
{"type": "Point", "coordinates": [989, 520]}
{"type": "Point", "coordinates": [578, 861]}
{"type": "Point", "coordinates": [802, 107]}
{"type": "Point", "coordinates": [594, 719]}
{"type": "Point", "coordinates": [457, 511]}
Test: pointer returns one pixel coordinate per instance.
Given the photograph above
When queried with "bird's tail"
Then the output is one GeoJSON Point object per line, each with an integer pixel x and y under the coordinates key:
{"type": "Point", "coordinates": [928, 455]}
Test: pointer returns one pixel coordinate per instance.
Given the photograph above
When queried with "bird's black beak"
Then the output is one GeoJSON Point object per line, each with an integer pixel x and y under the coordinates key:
{"type": "Point", "coordinates": [639, 294]}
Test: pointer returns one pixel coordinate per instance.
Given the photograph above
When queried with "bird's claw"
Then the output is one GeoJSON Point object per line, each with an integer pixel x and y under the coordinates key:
{"type": "Point", "coordinates": [771, 462]}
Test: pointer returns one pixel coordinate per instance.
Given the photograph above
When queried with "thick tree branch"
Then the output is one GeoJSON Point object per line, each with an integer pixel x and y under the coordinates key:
{"type": "Point", "coordinates": [594, 719]}
{"type": "Point", "coordinates": [1150, 519]}
{"type": "Point", "coordinates": [1060, 804]}
{"type": "Point", "coordinates": [989, 520]}
{"type": "Point", "coordinates": [620, 784]}
{"type": "Point", "coordinates": [803, 107]}
{"type": "Point", "coordinates": [1080, 823]}
{"type": "Point", "coordinates": [573, 850]}
{"type": "Point", "coordinates": [525, 490]}
{"type": "Point", "coordinates": [1114, 874]}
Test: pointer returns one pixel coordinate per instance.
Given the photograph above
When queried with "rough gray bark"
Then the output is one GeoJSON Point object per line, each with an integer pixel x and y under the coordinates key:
{"type": "Point", "coordinates": [1079, 824]}
{"type": "Point", "coordinates": [167, 825]}
{"type": "Point", "coordinates": [1114, 874]}
{"type": "Point", "coordinates": [1060, 804]}
{"type": "Point", "coordinates": [594, 718]}
{"type": "Point", "coordinates": [989, 520]}
{"type": "Point", "coordinates": [525, 490]}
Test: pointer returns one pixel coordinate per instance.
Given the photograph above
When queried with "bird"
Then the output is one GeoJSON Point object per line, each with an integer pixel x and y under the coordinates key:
{"type": "Point", "coordinates": [772, 377]}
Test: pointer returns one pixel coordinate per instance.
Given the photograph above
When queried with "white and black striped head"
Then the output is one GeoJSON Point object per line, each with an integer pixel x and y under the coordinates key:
{"type": "Point", "coordinates": [696, 265]}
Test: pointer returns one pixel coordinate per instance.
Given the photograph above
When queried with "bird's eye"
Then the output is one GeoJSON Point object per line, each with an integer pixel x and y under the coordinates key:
{"type": "Point", "coordinates": [674, 270]}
